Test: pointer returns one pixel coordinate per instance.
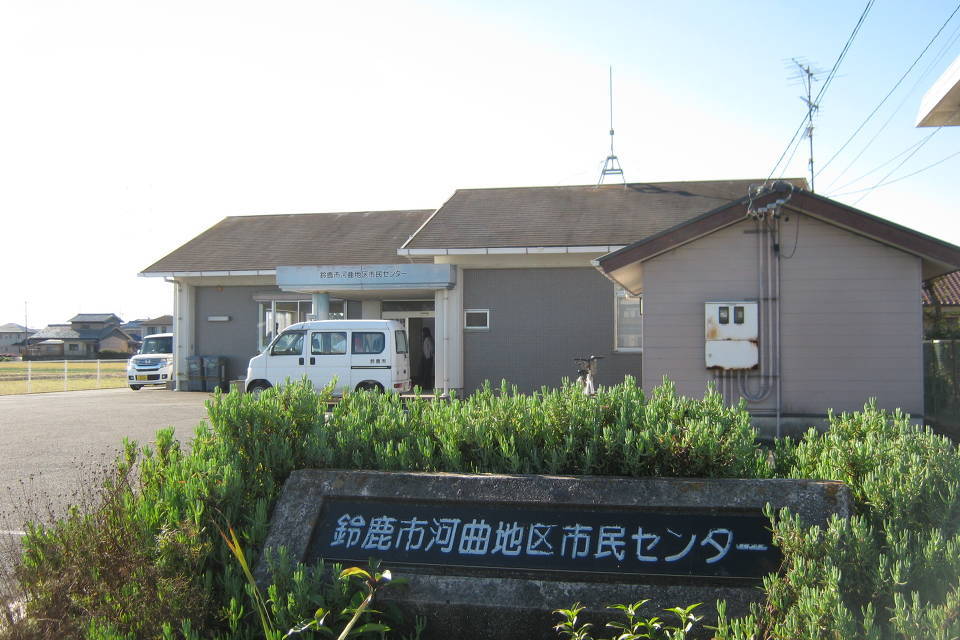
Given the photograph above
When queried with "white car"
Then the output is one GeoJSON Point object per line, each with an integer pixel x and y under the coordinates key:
{"type": "Point", "coordinates": [360, 354]}
{"type": "Point", "coordinates": [153, 364]}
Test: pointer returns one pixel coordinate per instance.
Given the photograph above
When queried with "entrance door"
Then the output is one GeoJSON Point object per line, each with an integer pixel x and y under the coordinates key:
{"type": "Point", "coordinates": [416, 315]}
{"type": "Point", "coordinates": [422, 335]}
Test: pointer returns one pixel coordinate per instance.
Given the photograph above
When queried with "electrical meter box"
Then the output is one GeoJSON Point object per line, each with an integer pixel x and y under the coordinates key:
{"type": "Point", "coordinates": [732, 333]}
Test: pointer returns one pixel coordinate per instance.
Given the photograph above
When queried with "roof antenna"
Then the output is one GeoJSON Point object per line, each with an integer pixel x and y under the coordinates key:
{"type": "Point", "coordinates": [611, 166]}
{"type": "Point", "coordinates": [808, 77]}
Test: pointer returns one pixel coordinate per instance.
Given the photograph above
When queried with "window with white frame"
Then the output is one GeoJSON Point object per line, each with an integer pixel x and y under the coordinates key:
{"type": "Point", "coordinates": [628, 321]}
{"type": "Point", "coordinates": [476, 319]}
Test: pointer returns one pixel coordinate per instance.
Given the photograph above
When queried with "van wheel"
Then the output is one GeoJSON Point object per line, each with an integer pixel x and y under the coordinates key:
{"type": "Point", "coordinates": [258, 387]}
{"type": "Point", "coordinates": [369, 385]}
{"type": "Point", "coordinates": [136, 387]}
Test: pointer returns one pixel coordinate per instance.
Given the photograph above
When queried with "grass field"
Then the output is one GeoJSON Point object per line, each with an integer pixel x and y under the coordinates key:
{"type": "Point", "coordinates": [45, 376]}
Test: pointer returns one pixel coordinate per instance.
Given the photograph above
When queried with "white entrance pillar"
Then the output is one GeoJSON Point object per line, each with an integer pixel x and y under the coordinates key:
{"type": "Point", "coordinates": [184, 307]}
{"type": "Point", "coordinates": [448, 305]}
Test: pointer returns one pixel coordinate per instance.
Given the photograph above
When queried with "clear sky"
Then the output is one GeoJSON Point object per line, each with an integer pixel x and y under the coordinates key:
{"type": "Point", "coordinates": [128, 127]}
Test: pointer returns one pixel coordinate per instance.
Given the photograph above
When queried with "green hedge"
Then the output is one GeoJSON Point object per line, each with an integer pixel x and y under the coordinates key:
{"type": "Point", "coordinates": [889, 572]}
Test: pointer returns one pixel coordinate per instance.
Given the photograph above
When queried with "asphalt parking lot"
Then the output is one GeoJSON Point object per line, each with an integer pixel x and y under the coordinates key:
{"type": "Point", "coordinates": [51, 442]}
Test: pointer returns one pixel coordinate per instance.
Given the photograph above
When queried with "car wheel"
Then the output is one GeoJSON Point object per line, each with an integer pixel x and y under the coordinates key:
{"type": "Point", "coordinates": [136, 387]}
{"type": "Point", "coordinates": [369, 385]}
{"type": "Point", "coordinates": [258, 387]}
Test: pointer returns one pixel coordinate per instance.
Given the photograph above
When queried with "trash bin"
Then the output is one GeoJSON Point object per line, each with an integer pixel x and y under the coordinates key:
{"type": "Point", "coordinates": [215, 373]}
{"type": "Point", "coordinates": [194, 373]}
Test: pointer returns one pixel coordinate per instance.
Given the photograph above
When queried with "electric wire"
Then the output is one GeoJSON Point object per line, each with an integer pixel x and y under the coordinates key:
{"type": "Point", "coordinates": [909, 94]}
{"type": "Point", "coordinates": [877, 168]}
{"type": "Point", "coordinates": [902, 162]}
{"type": "Point", "coordinates": [826, 85]}
{"type": "Point", "coordinates": [909, 175]}
{"type": "Point", "coordinates": [890, 93]}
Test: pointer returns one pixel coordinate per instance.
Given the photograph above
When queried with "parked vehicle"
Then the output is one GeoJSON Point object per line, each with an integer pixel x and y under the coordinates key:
{"type": "Point", "coordinates": [153, 364]}
{"type": "Point", "coordinates": [360, 354]}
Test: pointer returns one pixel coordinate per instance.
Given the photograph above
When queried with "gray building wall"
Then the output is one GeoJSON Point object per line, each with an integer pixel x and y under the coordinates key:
{"type": "Point", "coordinates": [236, 339]}
{"type": "Point", "coordinates": [851, 316]}
{"type": "Point", "coordinates": [540, 319]}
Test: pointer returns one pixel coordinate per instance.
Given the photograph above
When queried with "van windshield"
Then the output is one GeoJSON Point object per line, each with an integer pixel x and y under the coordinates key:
{"type": "Point", "coordinates": [157, 345]}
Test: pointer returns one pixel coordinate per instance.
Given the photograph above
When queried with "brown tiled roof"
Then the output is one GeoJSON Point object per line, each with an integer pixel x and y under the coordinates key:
{"type": "Point", "coordinates": [942, 290]}
{"type": "Point", "coordinates": [242, 243]}
{"type": "Point", "coordinates": [571, 215]}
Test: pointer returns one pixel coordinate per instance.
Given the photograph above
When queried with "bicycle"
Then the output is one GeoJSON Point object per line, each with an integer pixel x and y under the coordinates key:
{"type": "Point", "coordinates": [586, 372]}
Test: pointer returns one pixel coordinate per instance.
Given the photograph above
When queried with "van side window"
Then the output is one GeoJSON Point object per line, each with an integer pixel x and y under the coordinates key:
{"type": "Point", "coordinates": [288, 344]}
{"type": "Point", "coordinates": [328, 343]}
{"type": "Point", "coordinates": [368, 341]}
{"type": "Point", "coordinates": [401, 338]}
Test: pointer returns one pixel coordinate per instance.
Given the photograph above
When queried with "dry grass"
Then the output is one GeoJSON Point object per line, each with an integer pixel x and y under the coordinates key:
{"type": "Point", "coordinates": [46, 376]}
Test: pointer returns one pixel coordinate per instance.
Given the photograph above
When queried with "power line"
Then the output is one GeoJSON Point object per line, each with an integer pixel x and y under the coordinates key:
{"type": "Point", "coordinates": [909, 94]}
{"type": "Point", "coordinates": [883, 181]}
{"type": "Point", "coordinates": [886, 97]}
{"type": "Point", "coordinates": [826, 84]}
{"type": "Point", "coordinates": [880, 166]}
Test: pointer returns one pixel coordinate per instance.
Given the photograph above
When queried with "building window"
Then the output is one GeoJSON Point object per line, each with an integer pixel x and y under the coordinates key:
{"type": "Point", "coordinates": [73, 347]}
{"type": "Point", "coordinates": [628, 321]}
{"type": "Point", "coordinates": [476, 319]}
{"type": "Point", "coordinates": [277, 315]}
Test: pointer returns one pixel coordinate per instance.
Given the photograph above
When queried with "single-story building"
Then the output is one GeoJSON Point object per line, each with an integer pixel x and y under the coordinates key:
{"type": "Point", "coordinates": [661, 279]}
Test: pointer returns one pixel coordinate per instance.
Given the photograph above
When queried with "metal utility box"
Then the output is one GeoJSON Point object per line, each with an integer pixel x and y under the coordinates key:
{"type": "Point", "coordinates": [731, 333]}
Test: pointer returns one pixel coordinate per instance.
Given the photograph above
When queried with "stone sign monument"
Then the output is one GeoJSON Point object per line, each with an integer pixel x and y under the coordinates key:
{"type": "Point", "coordinates": [493, 555]}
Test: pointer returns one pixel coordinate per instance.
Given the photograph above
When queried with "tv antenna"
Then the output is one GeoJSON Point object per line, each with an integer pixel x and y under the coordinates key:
{"type": "Point", "coordinates": [611, 166]}
{"type": "Point", "coordinates": [807, 76]}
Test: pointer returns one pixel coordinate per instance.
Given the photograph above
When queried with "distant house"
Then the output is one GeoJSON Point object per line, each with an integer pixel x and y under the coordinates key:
{"type": "Point", "coordinates": [162, 324]}
{"type": "Point", "coordinates": [941, 306]}
{"type": "Point", "coordinates": [12, 337]}
{"type": "Point", "coordinates": [87, 336]}
{"type": "Point", "coordinates": [134, 328]}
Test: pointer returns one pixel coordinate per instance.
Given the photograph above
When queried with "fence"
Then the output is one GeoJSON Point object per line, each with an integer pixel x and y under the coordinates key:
{"type": "Point", "coordinates": [39, 376]}
{"type": "Point", "coordinates": [941, 385]}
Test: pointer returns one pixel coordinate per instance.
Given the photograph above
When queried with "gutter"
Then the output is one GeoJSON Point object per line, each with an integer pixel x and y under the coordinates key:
{"type": "Point", "coordinates": [499, 251]}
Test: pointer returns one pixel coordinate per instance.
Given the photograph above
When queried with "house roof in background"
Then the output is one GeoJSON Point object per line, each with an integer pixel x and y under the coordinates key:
{"type": "Point", "coordinates": [13, 327]}
{"type": "Point", "coordinates": [242, 243]}
{"type": "Point", "coordinates": [571, 216]}
{"type": "Point", "coordinates": [56, 331]}
{"type": "Point", "coordinates": [160, 320]}
{"type": "Point", "coordinates": [944, 290]}
{"type": "Point", "coordinates": [96, 317]}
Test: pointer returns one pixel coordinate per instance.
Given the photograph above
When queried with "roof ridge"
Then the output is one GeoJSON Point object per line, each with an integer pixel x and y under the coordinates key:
{"type": "Point", "coordinates": [324, 213]}
{"type": "Point", "coordinates": [622, 185]}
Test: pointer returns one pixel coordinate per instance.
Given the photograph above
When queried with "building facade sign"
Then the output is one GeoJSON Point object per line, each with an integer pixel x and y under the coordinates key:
{"type": "Point", "coordinates": [323, 278]}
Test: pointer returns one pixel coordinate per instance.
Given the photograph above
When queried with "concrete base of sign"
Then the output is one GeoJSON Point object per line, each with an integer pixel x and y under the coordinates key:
{"type": "Point", "coordinates": [681, 553]}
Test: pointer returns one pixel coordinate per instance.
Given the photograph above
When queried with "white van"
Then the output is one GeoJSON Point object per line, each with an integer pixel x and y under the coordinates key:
{"type": "Point", "coordinates": [360, 354]}
{"type": "Point", "coordinates": [153, 364]}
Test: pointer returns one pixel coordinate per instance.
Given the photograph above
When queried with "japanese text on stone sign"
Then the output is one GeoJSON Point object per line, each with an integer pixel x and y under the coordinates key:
{"type": "Point", "coordinates": [510, 538]}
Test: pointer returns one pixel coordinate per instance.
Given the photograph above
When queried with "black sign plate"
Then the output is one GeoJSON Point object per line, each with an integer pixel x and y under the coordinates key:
{"type": "Point", "coordinates": [559, 538]}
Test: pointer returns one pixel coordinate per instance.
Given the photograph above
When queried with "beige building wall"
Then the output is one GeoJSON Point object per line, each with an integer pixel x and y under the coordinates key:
{"type": "Point", "coordinates": [851, 316]}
